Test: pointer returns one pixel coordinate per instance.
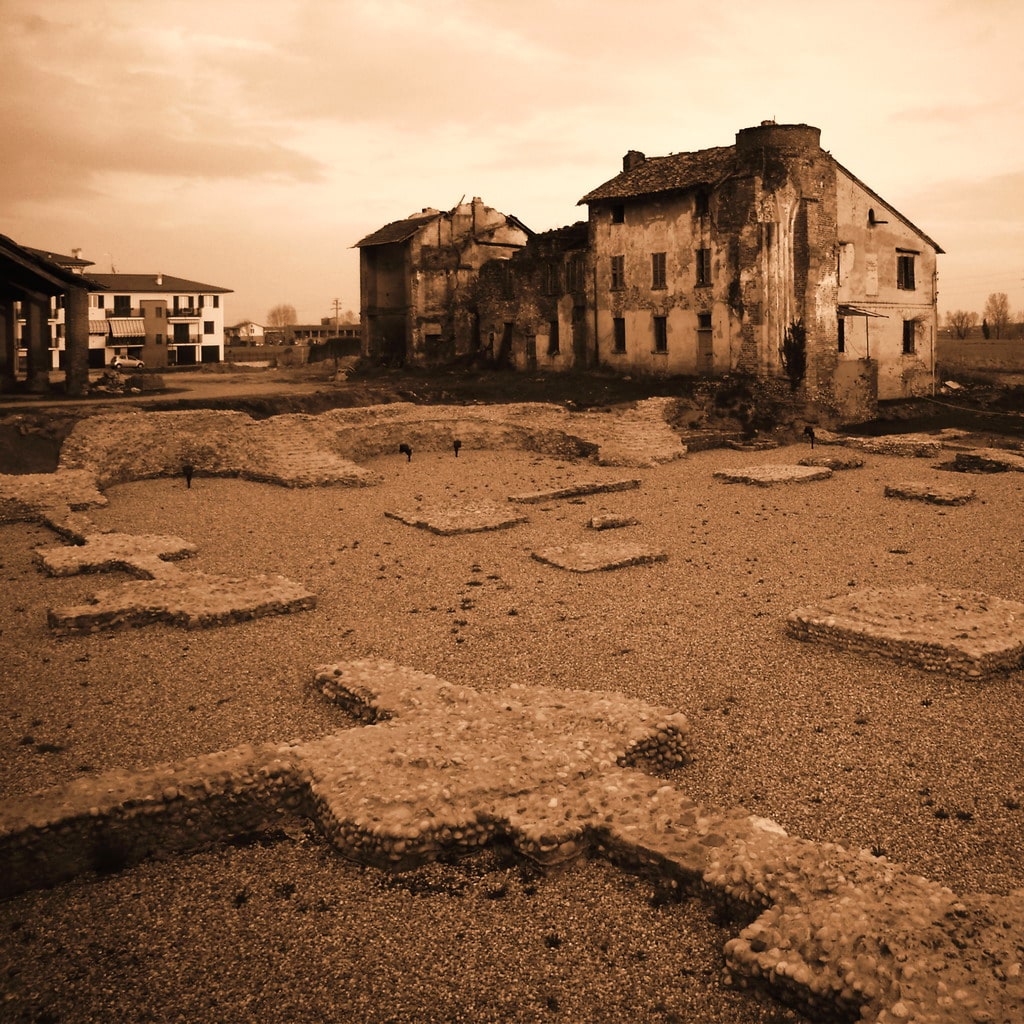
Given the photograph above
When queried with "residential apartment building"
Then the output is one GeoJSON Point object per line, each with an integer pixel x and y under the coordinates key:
{"type": "Point", "coordinates": [164, 320]}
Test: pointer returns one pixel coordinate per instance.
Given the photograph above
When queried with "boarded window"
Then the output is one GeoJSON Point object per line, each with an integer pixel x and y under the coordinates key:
{"type": "Point", "coordinates": [619, 328]}
{"type": "Point", "coordinates": [618, 273]}
{"type": "Point", "coordinates": [703, 266]}
{"type": "Point", "coordinates": [658, 270]}
{"type": "Point", "coordinates": [660, 334]}
{"type": "Point", "coordinates": [576, 272]}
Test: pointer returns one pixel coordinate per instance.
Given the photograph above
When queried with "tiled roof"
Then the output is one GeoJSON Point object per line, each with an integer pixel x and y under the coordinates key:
{"type": "Point", "coordinates": [135, 283]}
{"type": "Point", "coordinates": [667, 174]}
{"type": "Point", "coordinates": [68, 262]}
{"type": "Point", "coordinates": [397, 230]}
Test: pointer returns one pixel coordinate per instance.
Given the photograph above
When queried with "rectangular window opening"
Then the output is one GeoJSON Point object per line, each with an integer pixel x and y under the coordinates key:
{"type": "Point", "coordinates": [660, 334]}
{"type": "Point", "coordinates": [909, 337]}
{"type": "Point", "coordinates": [658, 270]}
{"type": "Point", "coordinates": [842, 334]}
{"type": "Point", "coordinates": [618, 273]}
{"type": "Point", "coordinates": [619, 213]}
{"type": "Point", "coordinates": [553, 339]}
{"type": "Point", "coordinates": [619, 327]}
{"type": "Point", "coordinates": [703, 266]}
{"type": "Point", "coordinates": [905, 272]}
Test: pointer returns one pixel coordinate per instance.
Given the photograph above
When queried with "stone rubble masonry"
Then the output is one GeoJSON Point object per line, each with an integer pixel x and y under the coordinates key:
{"type": "Point", "coordinates": [472, 517]}
{"type": "Point", "coordinates": [302, 450]}
{"type": "Point", "coordinates": [934, 494]}
{"type": "Point", "coordinates": [989, 460]}
{"type": "Point", "coordinates": [611, 522]}
{"type": "Point", "coordinates": [768, 474]}
{"type": "Point", "coordinates": [575, 491]}
{"type": "Point", "coordinates": [962, 633]}
{"type": "Point", "coordinates": [193, 600]}
{"type": "Point", "coordinates": [595, 557]}
{"type": "Point", "coordinates": [919, 446]}
{"type": "Point", "coordinates": [833, 460]}
{"type": "Point", "coordinates": [57, 500]}
{"type": "Point", "coordinates": [840, 934]}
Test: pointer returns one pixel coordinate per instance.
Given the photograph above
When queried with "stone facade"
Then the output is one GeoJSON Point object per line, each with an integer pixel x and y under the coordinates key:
{"type": "Point", "coordinates": [413, 274]}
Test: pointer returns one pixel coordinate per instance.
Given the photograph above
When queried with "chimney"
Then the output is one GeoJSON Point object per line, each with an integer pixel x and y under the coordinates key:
{"type": "Point", "coordinates": [77, 253]}
{"type": "Point", "coordinates": [160, 279]}
{"type": "Point", "coordinates": [634, 158]}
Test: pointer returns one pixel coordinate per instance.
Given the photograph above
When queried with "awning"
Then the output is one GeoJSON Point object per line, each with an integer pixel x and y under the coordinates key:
{"type": "Point", "coordinates": [99, 326]}
{"type": "Point", "coordinates": [845, 310]}
{"type": "Point", "coordinates": [127, 327]}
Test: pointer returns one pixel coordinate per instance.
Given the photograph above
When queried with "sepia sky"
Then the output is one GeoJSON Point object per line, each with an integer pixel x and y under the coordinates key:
{"type": "Point", "coordinates": [250, 145]}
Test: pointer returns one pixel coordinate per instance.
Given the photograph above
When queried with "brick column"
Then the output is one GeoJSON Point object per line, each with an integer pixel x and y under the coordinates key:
{"type": "Point", "coordinates": [76, 341]}
{"type": "Point", "coordinates": [37, 341]}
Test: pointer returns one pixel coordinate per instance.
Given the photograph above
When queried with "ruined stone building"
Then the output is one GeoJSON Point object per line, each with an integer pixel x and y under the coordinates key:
{"type": "Point", "coordinates": [702, 263]}
{"type": "Point", "coordinates": [414, 275]}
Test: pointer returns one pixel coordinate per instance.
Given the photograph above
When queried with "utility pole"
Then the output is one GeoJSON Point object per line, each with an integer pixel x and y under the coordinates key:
{"type": "Point", "coordinates": [337, 308]}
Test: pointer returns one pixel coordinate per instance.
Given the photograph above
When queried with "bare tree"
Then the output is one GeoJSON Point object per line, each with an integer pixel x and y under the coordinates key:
{"type": "Point", "coordinates": [282, 315]}
{"type": "Point", "coordinates": [997, 312]}
{"type": "Point", "coordinates": [961, 321]}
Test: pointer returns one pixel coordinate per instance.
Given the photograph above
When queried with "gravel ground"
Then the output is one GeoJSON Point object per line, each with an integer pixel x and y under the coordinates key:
{"type": "Point", "coordinates": [834, 747]}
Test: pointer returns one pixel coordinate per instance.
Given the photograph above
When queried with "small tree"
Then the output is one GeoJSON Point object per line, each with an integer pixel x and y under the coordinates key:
{"type": "Point", "coordinates": [793, 353]}
{"type": "Point", "coordinates": [961, 322]}
{"type": "Point", "coordinates": [997, 312]}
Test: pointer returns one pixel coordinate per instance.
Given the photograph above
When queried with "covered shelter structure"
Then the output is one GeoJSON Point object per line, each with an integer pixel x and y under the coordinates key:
{"type": "Point", "coordinates": [32, 281]}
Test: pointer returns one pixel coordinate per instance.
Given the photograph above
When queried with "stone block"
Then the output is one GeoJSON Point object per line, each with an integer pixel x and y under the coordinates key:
{"type": "Point", "coordinates": [835, 460]}
{"type": "Point", "coordinates": [581, 489]}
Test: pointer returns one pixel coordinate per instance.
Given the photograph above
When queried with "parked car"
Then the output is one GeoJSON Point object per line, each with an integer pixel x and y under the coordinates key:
{"type": "Point", "coordinates": [127, 362]}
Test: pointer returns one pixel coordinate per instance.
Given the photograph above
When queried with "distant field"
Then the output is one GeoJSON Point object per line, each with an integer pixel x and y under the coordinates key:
{"type": "Point", "coordinates": [979, 354]}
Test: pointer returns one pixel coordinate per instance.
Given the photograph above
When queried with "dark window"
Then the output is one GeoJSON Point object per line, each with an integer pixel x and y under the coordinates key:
{"type": "Point", "coordinates": [700, 204]}
{"type": "Point", "coordinates": [122, 305]}
{"type": "Point", "coordinates": [508, 288]}
{"type": "Point", "coordinates": [158, 312]}
{"type": "Point", "coordinates": [703, 266]}
{"type": "Point", "coordinates": [619, 213]}
{"type": "Point", "coordinates": [905, 272]}
{"type": "Point", "coordinates": [660, 334]}
{"type": "Point", "coordinates": [658, 270]}
{"type": "Point", "coordinates": [618, 273]}
{"type": "Point", "coordinates": [575, 273]}
{"type": "Point", "coordinates": [202, 301]}
{"type": "Point", "coordinates": [551, 279]}
{"type": "Point", "coordinates": [553, 339]}
{"type": "Point", "coordinates": [909, 339]}
{"type": "Point", "coordinates": [159, 339]}
{"type": "Point", "coordinates": [216, 302]}
{"type": "Point", "coordinates": [842, 334]}
{"type": "Point", "coordinates": [207, 327]}
{"type": "Point", "coordinates": [101, 301]}
{"type": "Point", "coordinates": [619, 327]}
{"type": "Point", "coordinates": [704, 321]}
